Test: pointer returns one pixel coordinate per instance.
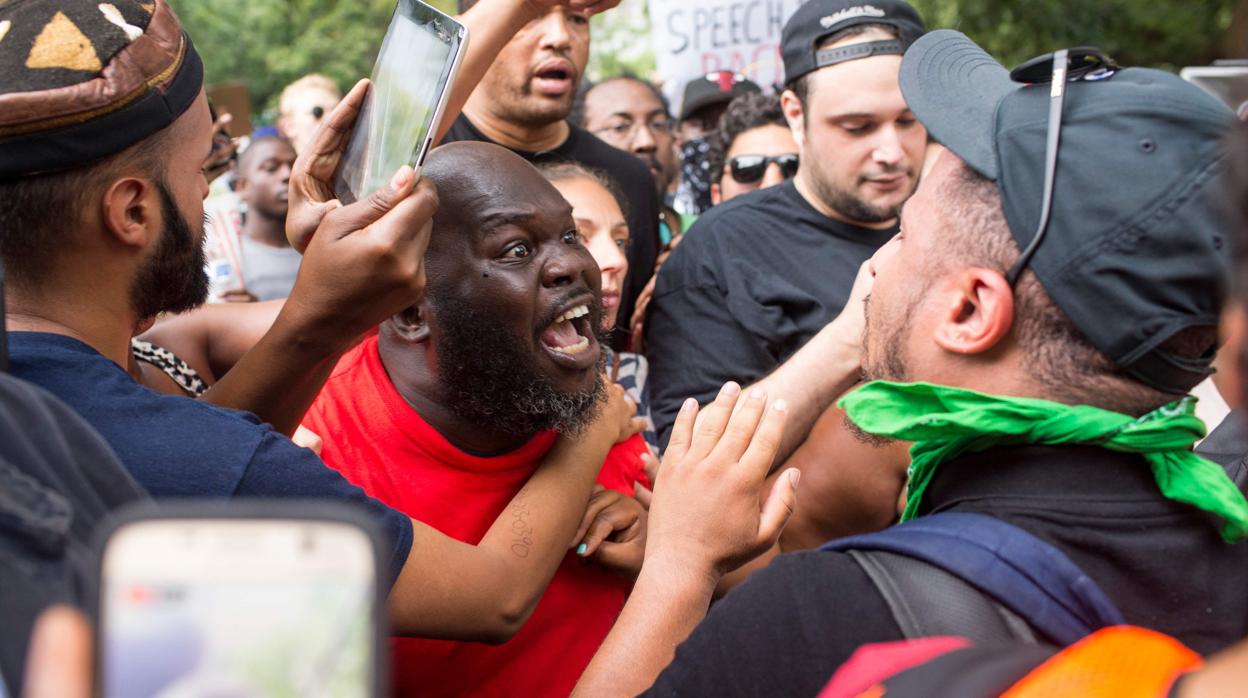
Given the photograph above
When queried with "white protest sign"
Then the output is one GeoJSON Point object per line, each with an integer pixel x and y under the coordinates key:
{"type": "Point", "coordinates": [696, 37]}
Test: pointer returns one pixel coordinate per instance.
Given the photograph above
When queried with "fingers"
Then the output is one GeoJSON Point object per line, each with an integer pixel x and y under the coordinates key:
{"type": "Point", "coordinates": [601, 527]}
{"type": "Point", "coordinates": [765, 442]}
{"type": "Point", "coordinates": [621, 521]}
{"type": "Point", "coordinates": [713, 421]}
{"type": "Point", "coordinates": [650, 464]}
{"type": "Point", "coordinates": [58, 664]}
{"type": "Point", "coordinates": [331, 138]}
{"type": "Point", "coordinates": [598, 501]}
{"type": "Point", "coordinates": [682, 431]}
{"type": "Point", "coordinates": [742, 426]}
{"type": "Point", "coordinates": [399, 209]}
{"type": "Point", "coordinates": [636, 425]}
{"type": "Point", "coordinates": [643, 495]}
{"type": "Point", "coordinates": [780, 504]}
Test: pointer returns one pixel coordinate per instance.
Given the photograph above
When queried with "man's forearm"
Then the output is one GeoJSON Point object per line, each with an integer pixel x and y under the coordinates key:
{"type": "Point", "coordinates": [281, 375]}
{"type": "Point", "coordinates": [667, 603]}
{"type": "Point", "coordinates": [491, 24]}
{"type": "Point", "coordinates": [823, 369]}
{"type": "Point", "coordinates": [486, 592]}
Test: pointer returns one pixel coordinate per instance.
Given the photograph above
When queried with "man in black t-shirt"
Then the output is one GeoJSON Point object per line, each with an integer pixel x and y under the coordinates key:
{"type": "Point", "coordinates": [755, 280]}
{"type": "Point", "coordinates": [522, 103]}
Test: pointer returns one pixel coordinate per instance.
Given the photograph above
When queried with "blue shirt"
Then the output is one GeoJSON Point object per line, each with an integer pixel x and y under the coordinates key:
{"type": "Point", "coordinates": [179, 447]}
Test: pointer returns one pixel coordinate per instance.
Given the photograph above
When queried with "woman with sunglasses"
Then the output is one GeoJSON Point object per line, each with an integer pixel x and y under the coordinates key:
{"type": "Point", "coordinates": [753, 148]}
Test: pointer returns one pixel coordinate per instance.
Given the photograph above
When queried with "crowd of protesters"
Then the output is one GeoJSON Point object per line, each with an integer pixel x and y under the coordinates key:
{"type": "Point", "coordinates": [875, 382]}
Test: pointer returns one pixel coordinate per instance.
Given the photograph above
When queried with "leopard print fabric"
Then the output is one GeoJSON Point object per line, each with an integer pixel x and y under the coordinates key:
{"type": "Point", "coordinates": [186, 377]}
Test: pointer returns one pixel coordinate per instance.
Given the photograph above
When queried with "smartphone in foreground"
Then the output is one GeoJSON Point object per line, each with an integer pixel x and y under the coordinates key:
{"type": "Point", "coordinates": [239, 600]}
{"type": "Point", "coordinates": [411, 82]}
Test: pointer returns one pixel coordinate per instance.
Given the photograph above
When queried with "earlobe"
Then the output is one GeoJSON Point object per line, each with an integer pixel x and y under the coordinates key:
{"type": "Point", "coordinates": [130, 210]}
{"type": "Point", "coordinates": [978, 313]}
{"type": "Point", "coordinates": [716, 195]}
{"type": "Point", "coordinates": [410, 325]}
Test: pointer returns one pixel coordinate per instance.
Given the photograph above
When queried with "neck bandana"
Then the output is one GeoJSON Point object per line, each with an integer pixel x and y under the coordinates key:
{"type": "Point", "coordinates": [945, 422]}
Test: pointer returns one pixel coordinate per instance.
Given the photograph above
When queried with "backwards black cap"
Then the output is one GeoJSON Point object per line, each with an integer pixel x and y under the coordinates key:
{"type": "Point", "coordinates": [1133, 252]}
{"type": "Point", "coordinates": [818, 19]}
{"type": "Point", "coordinates": [81, 80]}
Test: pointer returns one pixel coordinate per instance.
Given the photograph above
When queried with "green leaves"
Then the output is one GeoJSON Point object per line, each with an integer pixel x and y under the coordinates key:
{"type": "Point", "coordinates": [270, 43]}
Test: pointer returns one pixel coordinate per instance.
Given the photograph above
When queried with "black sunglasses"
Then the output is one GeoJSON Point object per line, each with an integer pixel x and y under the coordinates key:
{"type": "Point", "coordinates": [748, 169]}
{"type": "Point", "coordinates": [1057, 68]}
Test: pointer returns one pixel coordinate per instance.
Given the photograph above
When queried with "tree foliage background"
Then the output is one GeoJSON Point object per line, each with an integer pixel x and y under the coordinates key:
{"type": "Point", "coordinates": [269, 43]}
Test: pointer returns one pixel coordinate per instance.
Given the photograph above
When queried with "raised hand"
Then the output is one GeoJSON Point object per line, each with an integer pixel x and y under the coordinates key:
{"type": "Point", "coordinates": [705, 513]}
{"type": "Point", "coordinates": [311, 194]}
{"type": "Point", "coordinates": [612, 532]}
{"type": "Point", "coordinates": [366, 261]}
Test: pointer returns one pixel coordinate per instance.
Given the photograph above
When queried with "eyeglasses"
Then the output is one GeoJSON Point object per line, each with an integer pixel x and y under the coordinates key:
{"type": "Point", "coordinates": [748, 169]}
{"type": "Point", "coordinates": [625, 131]}
{"type": "Point", "coordinates": [1057, 68]}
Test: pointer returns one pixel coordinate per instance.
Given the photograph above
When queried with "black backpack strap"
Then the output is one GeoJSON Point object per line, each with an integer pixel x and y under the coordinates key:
{"type": "Point", "coordinates": [1011, 568]}
{"type": "Point", "coordinates": [911, 588]}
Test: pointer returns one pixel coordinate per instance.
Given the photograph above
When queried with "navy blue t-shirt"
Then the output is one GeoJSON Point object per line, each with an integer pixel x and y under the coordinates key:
{"type": "Point", "coordinates": [179, 447]}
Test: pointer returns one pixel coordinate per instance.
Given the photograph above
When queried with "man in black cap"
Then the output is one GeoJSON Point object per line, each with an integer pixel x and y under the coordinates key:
{"type": "Point", "coordinates": [103, 130]}
{"type": "Point", "coordinates": [1033, 331]}
{"type": "Point", "coordinates": [758, 277]}
{"type": "Point", "coordinates": [705, 100]}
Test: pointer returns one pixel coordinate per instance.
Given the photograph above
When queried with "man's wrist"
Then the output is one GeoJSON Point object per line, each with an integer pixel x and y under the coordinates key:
{"type": "Point", "coordinates": [681, 576]}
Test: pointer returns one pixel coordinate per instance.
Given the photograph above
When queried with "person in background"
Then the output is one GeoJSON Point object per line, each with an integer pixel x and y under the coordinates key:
{"type": "Point", "coordinates": [752, 148]}
{"type": "Point", "coordinates": [756, 278]}
{"type": "Point", "coordinates": [269, 264]}
{"type": "Point", "coordinates": [257, 264]}
{"type": "Point", "coordinates": [303, 105]}
{"type": "Point", "coordinates": [522, 102]}
{"type": "Point", "coordinates": [598, 210]}
{"type": "Point", "coordinates": [632, 115]}
{"type": "Point", "coordinates": [704, 101]}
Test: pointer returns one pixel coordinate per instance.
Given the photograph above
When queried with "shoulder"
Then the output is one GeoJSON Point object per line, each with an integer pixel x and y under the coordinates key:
{"type": "Point", "coordinates": [593, 151]}
{"type": "Point", "coordinates": [462, 130]}
{"type": "Point", "coordinates": [783, 632]}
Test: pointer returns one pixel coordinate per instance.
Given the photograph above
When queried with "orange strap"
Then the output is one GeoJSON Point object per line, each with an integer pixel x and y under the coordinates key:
{"type": "Point", "coordinates": [1119, 662]}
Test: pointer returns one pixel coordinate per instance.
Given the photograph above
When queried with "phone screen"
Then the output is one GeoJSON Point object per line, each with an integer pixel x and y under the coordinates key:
{"type": "Point", "coordinates": [417, 61]}
{"type": "Point", "coordinates": [238, 608]}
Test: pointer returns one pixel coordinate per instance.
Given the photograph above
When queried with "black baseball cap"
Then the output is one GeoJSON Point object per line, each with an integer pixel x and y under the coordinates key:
{"type": "Point", "coordinates": [818, 19]}
{"type": "Point", "coordinates": [82, 80]}
{"type": "Point", "coordinates": [1134, 249]}
{"type": "Point", "coordinates": [712, 89]}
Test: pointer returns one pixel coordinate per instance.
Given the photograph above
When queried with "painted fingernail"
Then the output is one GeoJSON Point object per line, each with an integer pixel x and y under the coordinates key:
{"type": "Point", "coordinates": [580, 549]}
{"type": "Point", "coordinates": [780, 405]}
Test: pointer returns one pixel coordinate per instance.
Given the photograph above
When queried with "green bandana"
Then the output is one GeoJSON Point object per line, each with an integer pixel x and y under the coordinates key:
{"type": "Point", "coordinates": [944, 422]}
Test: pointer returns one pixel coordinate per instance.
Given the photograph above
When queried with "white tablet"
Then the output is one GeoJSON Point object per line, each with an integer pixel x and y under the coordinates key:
{"type": "Point", "coordinates": [415, 69]}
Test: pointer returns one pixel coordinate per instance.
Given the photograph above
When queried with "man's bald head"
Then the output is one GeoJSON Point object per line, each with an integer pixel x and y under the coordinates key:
{"type": "Point", "coordinates": [479, 185]}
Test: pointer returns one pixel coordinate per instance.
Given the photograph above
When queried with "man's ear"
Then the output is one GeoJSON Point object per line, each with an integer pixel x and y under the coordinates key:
{"type": "Point", "coordinates": [1230, 361]}
{"type": "Point", "coordinates": [716, 194]}
{"type": "Point", "coordinates": [131, 211]}
{"type": "Point", "coordinates": [977, 313]}
{"type": "Point", "coordinates": [792, 108]}
{"type": "Point", "coordinates": [411, 325]}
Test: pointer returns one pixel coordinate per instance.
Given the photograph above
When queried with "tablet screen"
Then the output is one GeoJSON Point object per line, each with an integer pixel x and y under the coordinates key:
{"type": "Point", "coordinates": [413, 69]}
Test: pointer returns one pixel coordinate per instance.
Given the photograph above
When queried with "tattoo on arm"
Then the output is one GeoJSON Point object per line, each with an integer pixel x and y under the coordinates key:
{"type": "Point", "coordinates": [521, 531]}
